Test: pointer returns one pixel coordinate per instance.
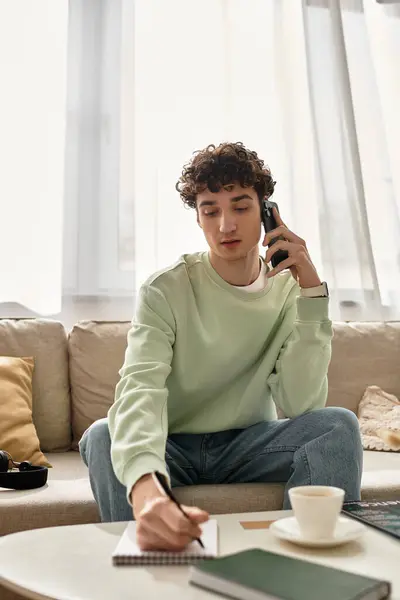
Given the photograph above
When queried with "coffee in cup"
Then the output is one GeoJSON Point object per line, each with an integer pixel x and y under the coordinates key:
{"type": "Point", "coordinates": [317, 509]}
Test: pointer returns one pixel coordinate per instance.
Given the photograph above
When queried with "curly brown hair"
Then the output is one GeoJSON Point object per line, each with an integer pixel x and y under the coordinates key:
{"type": "Point", "coordinates": [218, 166]}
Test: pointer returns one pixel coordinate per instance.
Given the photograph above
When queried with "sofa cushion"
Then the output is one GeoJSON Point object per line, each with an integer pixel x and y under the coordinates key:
{"type": "Point", "coordinates": [67, 498]}
{"type": "Point", "coordinates": [363, 354]}
{"type": "Point", "coordinates": [96, 354]}
{"type": "Point", "coordinates": [46, 342]}
{"type": "Point", "coordinates": [18, 435]}
{"type": "Point", "coordinates": [381, 475]}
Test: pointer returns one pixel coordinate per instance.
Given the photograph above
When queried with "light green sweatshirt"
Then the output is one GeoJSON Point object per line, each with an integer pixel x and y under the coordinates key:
{"type": "Point", "coordinates": [205, 356]}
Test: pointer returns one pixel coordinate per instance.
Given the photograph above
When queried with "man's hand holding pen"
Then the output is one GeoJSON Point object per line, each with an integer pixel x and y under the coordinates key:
{"type": "Point", "coordinates": [163, 524]}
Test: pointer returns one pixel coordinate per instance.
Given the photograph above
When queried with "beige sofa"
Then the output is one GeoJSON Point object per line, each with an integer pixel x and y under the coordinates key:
{"type": "Point", "coordinates": [74, 380]}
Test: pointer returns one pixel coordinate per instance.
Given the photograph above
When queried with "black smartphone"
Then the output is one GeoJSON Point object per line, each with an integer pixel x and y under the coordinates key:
{"type": "Point", "coordinates": [269, 222]}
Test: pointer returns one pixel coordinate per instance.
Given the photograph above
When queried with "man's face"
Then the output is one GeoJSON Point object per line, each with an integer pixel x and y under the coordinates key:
{"type": "Point", "coordinates": [230, 220]}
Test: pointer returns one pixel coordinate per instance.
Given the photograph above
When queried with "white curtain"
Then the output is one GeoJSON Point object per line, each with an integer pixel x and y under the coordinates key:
{"type": "Point", "coordinates": [33, 53]}
{"type": "Point", "coordinates": [100, 164]}
{"type": "Point", "coordinates": [313, 86]}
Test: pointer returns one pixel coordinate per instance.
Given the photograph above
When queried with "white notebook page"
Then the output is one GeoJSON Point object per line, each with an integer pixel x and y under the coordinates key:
{"type": "Point", "coordinates": [128, 548]}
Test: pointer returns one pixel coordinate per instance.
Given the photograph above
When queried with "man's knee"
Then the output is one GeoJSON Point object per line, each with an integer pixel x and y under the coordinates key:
{"type": "Point", "coordinates": [342, 418]}
{"type": "Point", "coordinates": [345, 423]}
{"type": "Point", "coordinates": [96, 438]}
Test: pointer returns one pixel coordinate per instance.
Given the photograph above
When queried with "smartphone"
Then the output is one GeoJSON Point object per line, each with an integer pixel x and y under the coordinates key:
{"type": "Point", "coordinates": [269, 223]}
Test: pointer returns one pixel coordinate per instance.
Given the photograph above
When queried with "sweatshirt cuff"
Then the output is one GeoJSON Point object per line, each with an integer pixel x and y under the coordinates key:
{"type": "Point", "coordinates": [141, 465]}
{"type": "Point", "coordinates": [312, 309]}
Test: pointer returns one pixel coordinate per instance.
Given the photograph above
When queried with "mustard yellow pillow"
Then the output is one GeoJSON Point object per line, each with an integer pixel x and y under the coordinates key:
{"type": "Point", "coordinates": [18, 434]}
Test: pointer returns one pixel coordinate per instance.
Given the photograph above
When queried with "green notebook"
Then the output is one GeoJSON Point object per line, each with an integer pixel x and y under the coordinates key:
{"type": "Point", "coordinates": [259, 575]}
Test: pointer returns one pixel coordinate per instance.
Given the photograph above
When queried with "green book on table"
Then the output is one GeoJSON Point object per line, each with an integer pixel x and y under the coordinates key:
{"type": "Point", "coordinates": [259, 575]}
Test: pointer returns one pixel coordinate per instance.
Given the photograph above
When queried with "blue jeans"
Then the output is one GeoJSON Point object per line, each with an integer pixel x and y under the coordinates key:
{"type": "Point", "coordinates": [322, 447]}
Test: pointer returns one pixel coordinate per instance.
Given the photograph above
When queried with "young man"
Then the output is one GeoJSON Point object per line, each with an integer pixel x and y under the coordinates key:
{"type": "Point", "coordinates": [218, 340]}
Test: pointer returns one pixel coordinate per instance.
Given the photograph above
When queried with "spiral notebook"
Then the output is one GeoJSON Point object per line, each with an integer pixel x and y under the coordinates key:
{"type": "Point", "coordinates": [128, 552]}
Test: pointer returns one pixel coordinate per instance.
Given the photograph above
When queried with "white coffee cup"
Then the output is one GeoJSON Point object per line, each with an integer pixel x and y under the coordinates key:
{"type": "Point", "coordinates": [317, 509]}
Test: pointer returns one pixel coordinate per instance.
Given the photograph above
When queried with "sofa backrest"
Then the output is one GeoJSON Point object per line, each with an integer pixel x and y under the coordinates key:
{"type": "Point", "coordinates": [88, 361]}
{"type": "Point", "coordinates": [362, 354]}
{"type": "Point", "coordinates": [46, 341]}
{"type": "Point", "coordinates": [96, 353]}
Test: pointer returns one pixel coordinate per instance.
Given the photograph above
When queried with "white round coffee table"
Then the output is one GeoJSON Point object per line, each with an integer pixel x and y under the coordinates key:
{"type": "Point", "coordinates": [74, 562]}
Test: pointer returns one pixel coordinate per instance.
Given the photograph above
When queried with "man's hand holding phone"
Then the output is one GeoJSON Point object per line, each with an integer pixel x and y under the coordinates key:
{"type": "Point", "coordinates": [298, 261]}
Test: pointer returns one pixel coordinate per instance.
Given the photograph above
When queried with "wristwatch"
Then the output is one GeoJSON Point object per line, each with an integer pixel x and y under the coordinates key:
{"type": "Point", "coordinates": [319, 291]}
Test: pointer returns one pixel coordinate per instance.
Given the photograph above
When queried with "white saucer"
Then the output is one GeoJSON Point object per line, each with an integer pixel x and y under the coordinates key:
{"type": "Point", "coordinates": [347, 530]}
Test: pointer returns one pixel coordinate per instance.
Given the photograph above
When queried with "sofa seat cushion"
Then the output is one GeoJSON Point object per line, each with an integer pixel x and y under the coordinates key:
{"type": "Point", "coordinates": [381, 476]}
{"type": "Point", "coordinates": [67, 499]}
